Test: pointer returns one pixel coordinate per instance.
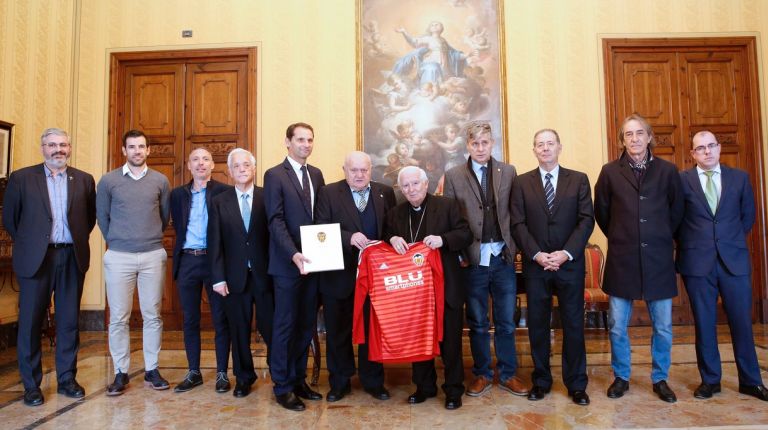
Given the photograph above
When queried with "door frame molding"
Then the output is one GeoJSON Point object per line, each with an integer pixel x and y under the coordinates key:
{"type": "Point", "coordinates": [610, 44]}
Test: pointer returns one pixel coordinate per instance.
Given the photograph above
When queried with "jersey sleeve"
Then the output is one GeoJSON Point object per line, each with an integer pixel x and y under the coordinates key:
{"type": "Point", "coordinates": [436, 264]}
{"type": "Point", "coordinates": [362, 286]}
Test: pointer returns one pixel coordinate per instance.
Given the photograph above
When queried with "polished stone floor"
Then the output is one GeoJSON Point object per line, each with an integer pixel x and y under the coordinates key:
{"type": "Point", "coordinates": [142, 407]}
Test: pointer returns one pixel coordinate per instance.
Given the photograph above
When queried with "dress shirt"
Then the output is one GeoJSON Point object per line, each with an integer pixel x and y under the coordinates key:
{"type": "Point", "coordinates": [555, 173]}
{"type": "Point", "coordinates": [297, 169]}
{"type": "Point", "coordinates": [198, 221]}
{"type": "Point", "coordinates": [57, 194]}
{"type": "Point", "coordinates": [127, 171]}
{"type": "Point", "coordinates": [717, 179]}
{"type": "Point", "coordinates": [356, 195]}
{"type": "Point", "coordinates": [491, 248]}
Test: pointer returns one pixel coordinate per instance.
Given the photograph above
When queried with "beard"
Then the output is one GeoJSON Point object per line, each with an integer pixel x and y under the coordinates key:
{"type": "Point", "coordinates": [137, 164]}
{"type": "Point", "coordinates": [57, 163]}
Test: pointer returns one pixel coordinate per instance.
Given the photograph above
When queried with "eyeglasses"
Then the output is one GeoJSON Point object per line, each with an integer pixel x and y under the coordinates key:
{"type": "Point", "coordinates": [702, 148]}
{"type": "Point", "coordinates": [54, 145]}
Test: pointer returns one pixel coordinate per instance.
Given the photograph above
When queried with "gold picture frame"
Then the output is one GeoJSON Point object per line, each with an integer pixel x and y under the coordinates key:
{"type": "Point", "coordinates": [6, 139]}
{"type": "Point", "coordinates": [418, 90]}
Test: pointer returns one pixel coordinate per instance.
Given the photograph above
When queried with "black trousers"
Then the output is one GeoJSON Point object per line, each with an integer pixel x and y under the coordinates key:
{"type": "Point", "coordinates": [194, 275]}
{"type": "Point", "coordinates": [58, 275]}
{"type": "Point", "coordinates": [239, 310]}
{"type": "Point", "coordinates": [570, 299]}
{"type": "Point", "coordinates": [424, 374]}
{"type": "Point", "coordinates": [340, 356]}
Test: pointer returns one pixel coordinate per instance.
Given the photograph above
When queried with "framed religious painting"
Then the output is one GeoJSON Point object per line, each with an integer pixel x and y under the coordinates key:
{"type": "Point", "coordinates": [426, 71]}
{"type": "Point", "coordinates": [6, 130]}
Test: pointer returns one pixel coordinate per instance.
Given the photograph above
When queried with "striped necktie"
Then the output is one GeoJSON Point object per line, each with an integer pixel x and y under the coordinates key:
{"type": "Point", "coordinates": [363, 202]}
{"type": "Point", "coordinates": [549, 191]}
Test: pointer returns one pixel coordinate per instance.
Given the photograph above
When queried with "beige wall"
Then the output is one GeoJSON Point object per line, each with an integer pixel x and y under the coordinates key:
{"type": "Point", "coordinates": [54, 70]}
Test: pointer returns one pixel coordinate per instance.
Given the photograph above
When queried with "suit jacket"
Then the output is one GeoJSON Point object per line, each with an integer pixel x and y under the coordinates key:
{"type": "Point", "coordinates": [703, 236]}
{"type": "Point", "coordinates": [567, 228]}
{"type": "Point", "coordinates": [230, 247]}
{"type": "Point", "coordinates": [181, 204]}
{"type": "Point", "coordinates": [461, 184]}
{"type": "Point", "coordinates": [286, 213]}
{"type": "Point", "coordinates": [335, 204]}
{"type": "Point", "coordinates": [27, 216]}
{"type": "Point", "coordinates": [442, 218]}
{"type": "Point", "coordinates": [639, 221]}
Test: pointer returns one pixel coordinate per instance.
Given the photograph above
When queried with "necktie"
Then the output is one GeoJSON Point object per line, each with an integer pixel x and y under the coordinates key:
{"type": "Point", "coordinates": [307, 196]}
{"type": "Point", "coordinates": [363, 202]}
{"type": "Point", "coordinates": [245, 210]}
{"type": "Point", "coordinates": [549, 191]}
{"type": "Point", "coordinates": [710, 192]}
{"type": "Point", "coordinates": [484, 180]}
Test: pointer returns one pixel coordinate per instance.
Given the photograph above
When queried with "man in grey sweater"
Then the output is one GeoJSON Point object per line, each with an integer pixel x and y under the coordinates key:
{"type": "Point", "coordinates": [132, 210]}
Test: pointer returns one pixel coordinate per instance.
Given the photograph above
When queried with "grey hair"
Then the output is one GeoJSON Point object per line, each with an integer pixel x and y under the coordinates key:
{"type": "Point", "coordinates": [412, 169]}
{"type": "Point", "coordinates": [359, 154]}
{"type": "Point", "coordinates": [238, 151]}
{"type": "Point", "coordinates": [53, 131]}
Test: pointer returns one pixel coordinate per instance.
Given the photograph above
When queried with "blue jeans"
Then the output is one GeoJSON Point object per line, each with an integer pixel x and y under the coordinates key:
{"type": "Point", "coordinates": [661, 340]}
{"type": "Point", "coordinates": [499, 281]}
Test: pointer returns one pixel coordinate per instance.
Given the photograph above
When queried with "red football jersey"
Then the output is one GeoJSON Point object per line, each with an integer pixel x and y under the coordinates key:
{"type": "Point", "coordinates": [406, 293]}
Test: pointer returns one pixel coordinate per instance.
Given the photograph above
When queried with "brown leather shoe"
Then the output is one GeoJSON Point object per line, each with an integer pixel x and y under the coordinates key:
{"type": "Point", "coordinates": [515, 386]}
{"type": "Point", "coordinates": [479, 386]}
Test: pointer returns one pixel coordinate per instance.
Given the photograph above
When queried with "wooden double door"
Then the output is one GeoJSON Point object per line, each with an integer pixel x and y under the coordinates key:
{"type": "Point", "coordinates": [182, 100]}
{"type": "Point", "coordinates": [683, 86]}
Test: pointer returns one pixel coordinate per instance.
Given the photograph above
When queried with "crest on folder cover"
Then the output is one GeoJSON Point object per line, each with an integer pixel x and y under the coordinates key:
{"type": "Point", "coordinates": [321, 236]}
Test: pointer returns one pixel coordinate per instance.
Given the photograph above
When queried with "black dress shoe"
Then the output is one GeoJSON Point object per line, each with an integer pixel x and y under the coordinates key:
{"type": "Point", "coordinates": [192, 380]}
{"type": "Point", "coordinates": [378, 393]}
{"type": "Point", "coordinates": [337, 394]}
{"type": "Point", "coordinates": [33, 397]}
{"type": "Point", "coordinates": [305, 392]}
{"type": "Point", "coordinates": [452, 402]}
{"type": "Point", "coordinates": [618, 388]}
{"type": "Point", "coordinates": [118, 387]}
{"type": "Point", "coordinates": [154, 380]}
{"type": "Point", "coordinates": [71, 389]}
{"type": "Point", "coordinates": [222, 382]}
{"type": "Point", "coordinates": [664, 392]}
{"type": "Point", "coordinates": [579, 397]}
{"type": "Point", "coordinates": [705, 391]}
{"type": "Point", "coordinates": [537, 392]}
{"type": "Point", "coordinates": [290, 401]}
{"type": "Point", "coordinates": [758, 391]}
{"type": "Point", "coordinates": [419, 397]}
{"type": "Point", "coordinates": [242, 389]}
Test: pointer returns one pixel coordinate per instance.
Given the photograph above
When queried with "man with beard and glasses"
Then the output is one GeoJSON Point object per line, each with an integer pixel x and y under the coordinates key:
{"type": "Point", "coordinates": [49, 211]}
{"type": "Point", "coordinates": [132, 209]}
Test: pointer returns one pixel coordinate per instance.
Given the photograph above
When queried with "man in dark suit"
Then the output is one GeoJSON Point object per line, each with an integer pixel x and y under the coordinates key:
{"type": "Point", "coordinates": [639, 205]}
{"type": "Point", "coordinates": [237, 241]}
{"type": "Point", "coordinates": [436, 221]}
{"type": "Point", "coordinates": [50, 210]}
{"type": "Point", "coordinates": [483, 187]}
{"type": "Point", "coordinates": [290, 191]}
{"type": "Point", "coordinates": [713, 259]}
{"type": "Point", "coordinates": [359, 206]}
{"type": "Point", "coordinates": [190, 205]}
{"type": "Point", "coordinates": [552, 219]}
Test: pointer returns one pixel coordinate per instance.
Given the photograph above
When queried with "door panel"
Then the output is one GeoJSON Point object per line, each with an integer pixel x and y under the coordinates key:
{"type": "Point", "coordinates": [182, 100]}
{"type": "Point", "coordinates": [683, 86]}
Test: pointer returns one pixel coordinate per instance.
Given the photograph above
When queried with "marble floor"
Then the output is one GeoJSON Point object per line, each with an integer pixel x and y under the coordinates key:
{"type": "Point", "coordinates": [142, 407]}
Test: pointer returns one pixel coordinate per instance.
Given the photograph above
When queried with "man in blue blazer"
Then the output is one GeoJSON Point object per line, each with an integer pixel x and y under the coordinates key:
{"type": "Point", "coordinates": [290, 191]}
{"type": "Point", "coordinates": [49, 210]}
{"type": "Point", "coordinates": [190, 206]}
{"type": "Point", "coordinates": [713, 259]}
